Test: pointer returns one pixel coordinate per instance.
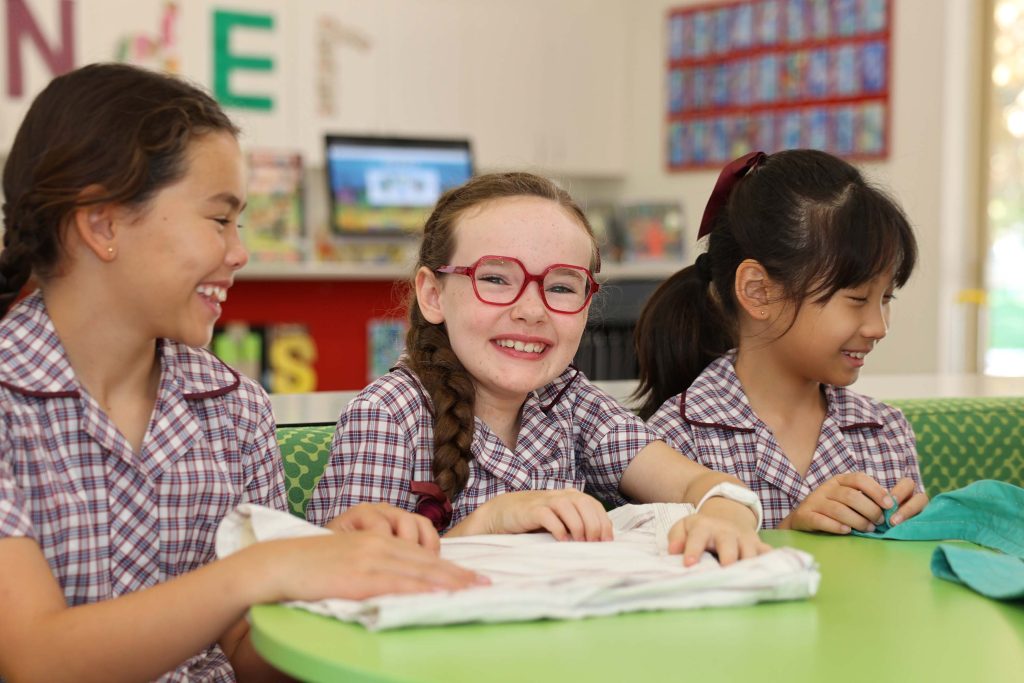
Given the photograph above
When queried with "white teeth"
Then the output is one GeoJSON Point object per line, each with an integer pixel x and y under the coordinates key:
{"type": "Point", "coordinates": [218, 294]}
{"type": "Point", "coordinates": [529, 347]}
{"type": "Point", "coordinates": [855, 354]}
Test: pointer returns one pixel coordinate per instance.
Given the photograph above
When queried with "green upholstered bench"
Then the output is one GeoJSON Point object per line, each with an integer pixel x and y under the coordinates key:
{"type": "Point", "coordinates": [959, 440]}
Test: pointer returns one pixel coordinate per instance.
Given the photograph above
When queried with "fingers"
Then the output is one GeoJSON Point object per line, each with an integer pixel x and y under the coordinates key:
{"type": "Point", "coordinates": [852, 508]}
{"type": "Point", "coordinates": [868, 486]}
{"type": "Point", "coordinates": [698, 537]}
{"type": "Point", "coordinates": [903, 489]}
{"type": "Point", "coordinates": [910, 508]}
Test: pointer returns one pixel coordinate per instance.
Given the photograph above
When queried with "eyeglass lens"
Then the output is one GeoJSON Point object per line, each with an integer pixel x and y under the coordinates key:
{"type": "Point", "coordinates": [498, 281]}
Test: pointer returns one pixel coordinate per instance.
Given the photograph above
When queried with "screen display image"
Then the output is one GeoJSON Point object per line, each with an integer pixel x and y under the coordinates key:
{"type": "Point", "coordinates": [381, 186]}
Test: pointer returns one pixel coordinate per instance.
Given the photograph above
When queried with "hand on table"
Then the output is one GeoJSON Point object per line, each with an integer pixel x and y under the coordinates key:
{"type": "Point", "coordinates": [387, 520]}
{"type": "Point", "coordinates": [852, 500]}
{"type": "Point", "coordinates": [567, 514]}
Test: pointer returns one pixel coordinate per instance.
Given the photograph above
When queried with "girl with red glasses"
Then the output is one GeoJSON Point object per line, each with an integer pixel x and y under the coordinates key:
{"type": "Point", "coordinates": [484, 426]}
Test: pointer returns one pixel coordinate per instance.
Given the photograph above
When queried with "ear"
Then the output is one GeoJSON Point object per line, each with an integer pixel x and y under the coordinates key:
{"type": "Point", "coordinates": [428, 295]}
{"type": "Point", "coordinates": [95, 225]}
{"type": "Point", "coordinates": [753, 289]}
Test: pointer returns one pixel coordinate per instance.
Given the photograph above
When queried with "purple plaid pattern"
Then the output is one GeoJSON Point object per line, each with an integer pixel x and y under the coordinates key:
{"type": "Point", "coordinates": [573, 435]}
{"type": "Point", "coordinates": [713, 424]}
{"type": "Point", "coordinates": [111, 521]}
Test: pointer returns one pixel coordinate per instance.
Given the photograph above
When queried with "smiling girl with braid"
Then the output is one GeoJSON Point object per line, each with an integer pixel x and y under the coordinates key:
{"type": "Point", "coordinates": [484, 425]}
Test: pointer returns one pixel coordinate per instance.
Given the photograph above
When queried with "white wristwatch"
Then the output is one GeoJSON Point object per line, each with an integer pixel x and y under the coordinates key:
{"type": "Point", "coordinates": [736, 493]}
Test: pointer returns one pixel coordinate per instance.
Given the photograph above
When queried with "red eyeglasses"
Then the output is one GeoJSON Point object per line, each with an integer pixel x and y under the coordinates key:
{"type": "Point", "coordinates": [501, 280]}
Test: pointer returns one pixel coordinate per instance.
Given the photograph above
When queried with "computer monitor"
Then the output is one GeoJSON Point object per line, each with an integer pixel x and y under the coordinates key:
{"type": "Point", "coordinates": [388, 186]}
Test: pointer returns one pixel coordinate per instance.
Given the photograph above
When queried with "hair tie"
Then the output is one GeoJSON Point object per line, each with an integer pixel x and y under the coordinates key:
{"type": "Point", "coordinates": [729, 176]}
{"type": "Point", "coordinates": [703, 266]}
{"type": "Point", "coordinates": [432, 504]}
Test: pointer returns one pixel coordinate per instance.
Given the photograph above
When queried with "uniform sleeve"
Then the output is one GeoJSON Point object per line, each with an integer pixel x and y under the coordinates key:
{"type": "Point", "coordinates": [264, 469]}
{"type": "Point", "coordinates": [610, 437]}
{"type": "Point", "coordinates": [14, 517]}
{"type": "Point", "coordinates": [667, 424]}
{"type": "Point", "coordinates": [371, 461]}
{"type": "Point", "coordinates": [901, 436]}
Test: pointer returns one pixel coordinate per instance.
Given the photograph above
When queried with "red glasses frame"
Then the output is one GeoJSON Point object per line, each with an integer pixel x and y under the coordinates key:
{"type": "Point", "coordinates": [469, 272]}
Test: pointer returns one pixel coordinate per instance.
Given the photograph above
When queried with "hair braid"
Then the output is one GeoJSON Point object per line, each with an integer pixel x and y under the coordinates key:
{"type": "Point", "coordinates": [451, 390]}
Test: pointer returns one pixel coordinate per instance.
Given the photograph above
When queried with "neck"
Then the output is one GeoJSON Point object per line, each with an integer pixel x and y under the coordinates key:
{"type": "Point", "coordinates": [109, 357]}
{"type": "Point", "coordinates": [772, 389]}
{"type": "Point", "coordinates": [500, 413]}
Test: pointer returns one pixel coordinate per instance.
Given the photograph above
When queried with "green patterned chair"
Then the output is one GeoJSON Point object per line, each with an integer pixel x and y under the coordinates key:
{"type": "Point", "coordinates": [304, 452]}
{"type": "Point", "coordinates": [959, 440]}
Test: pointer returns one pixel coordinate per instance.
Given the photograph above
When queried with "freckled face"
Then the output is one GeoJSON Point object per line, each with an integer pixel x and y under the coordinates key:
{"type": "Point", "coordinates": [514, 349]}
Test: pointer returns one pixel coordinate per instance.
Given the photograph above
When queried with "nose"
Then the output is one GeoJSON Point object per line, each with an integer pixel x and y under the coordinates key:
{"type": "Point", "coordinates": [876, 322]}
{"type": "Point", "coordinates": [530, 304]}
{"type": "Point", "coordinates": [236, 254]}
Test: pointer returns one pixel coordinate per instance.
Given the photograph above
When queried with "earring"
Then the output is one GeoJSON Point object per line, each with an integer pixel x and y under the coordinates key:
{"type": "Point", "coordinates": [110, 253]}
{"type": "Point", "coordinates": [764, 314]}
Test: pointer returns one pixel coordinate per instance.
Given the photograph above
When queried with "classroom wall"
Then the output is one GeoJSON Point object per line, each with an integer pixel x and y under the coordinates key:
{"type": "Point", "coordinates": [936, 72]}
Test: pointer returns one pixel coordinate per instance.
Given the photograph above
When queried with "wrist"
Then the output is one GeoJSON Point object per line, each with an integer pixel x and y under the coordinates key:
{"type": "Point", "coordinates": [726, 499]}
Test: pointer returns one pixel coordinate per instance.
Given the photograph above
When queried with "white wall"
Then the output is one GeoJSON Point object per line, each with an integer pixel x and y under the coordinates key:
{"type": "Point", "coordinates": [926, 139]}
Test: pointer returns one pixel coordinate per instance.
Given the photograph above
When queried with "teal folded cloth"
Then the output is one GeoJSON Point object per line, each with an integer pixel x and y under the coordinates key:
{"type": "Point", "coordinates": [988, 513]}
{"type": "Point", "coordinates": [994, 575]}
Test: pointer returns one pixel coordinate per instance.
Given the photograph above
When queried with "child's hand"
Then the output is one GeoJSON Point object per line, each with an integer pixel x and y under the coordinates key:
{"type": "Point", "coordinates": [910, 502]}
{"type": "Point", "coordinates": [847, 501]}
{"type": "Point", "coordinates": [354, 565]}
{"type": "Point", "coordinates": [566, 514]}
{"type": "Point", "coordinates": [387, 520]}
{"type": "Point", "coordinates": [730, 540]}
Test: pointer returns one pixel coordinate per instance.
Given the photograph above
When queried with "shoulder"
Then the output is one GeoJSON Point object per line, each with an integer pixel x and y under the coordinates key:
{"type": "Point", "coordinates": [205, 379]}
{"type": "Point", "coordinates": [399, 394]}
{"type": "Point", "coordinates": [854, 410]}
{"type": "Point", "coordinates": [572, 389]}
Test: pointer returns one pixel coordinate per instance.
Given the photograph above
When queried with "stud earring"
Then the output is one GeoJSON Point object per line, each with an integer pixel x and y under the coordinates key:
{"type": "Point", "coordinates": [764, 314]}
{"type": "Point", "coordinates": [110, 252]}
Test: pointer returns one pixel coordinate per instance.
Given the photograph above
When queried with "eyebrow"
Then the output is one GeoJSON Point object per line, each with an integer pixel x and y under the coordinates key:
{"type": "Point", "coordinates": [229, 199]}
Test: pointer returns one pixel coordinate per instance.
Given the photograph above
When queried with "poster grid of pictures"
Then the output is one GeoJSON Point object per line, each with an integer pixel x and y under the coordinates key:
{"type": "Point", "coordinates": [777, 74]}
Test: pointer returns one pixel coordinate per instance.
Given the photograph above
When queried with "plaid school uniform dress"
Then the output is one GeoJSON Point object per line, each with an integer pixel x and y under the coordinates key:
{"type": "Point", "coordinates": [713, 424]}
{"type": "Point", "coordinates": [111, 521]}
{"type": "Point", "coordinates": [572, 435]}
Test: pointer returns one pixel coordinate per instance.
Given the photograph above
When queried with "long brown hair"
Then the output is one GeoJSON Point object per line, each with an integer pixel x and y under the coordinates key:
{"type": "Point", "coordinates": [813, 222]}
{"type": "Point", "coordinates": [431, 357]}
{"type": "Point", "coordinates": [117, 127]}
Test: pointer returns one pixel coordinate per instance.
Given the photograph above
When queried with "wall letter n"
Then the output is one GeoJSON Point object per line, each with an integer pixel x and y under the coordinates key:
{"type": "Point", "coordinates": [21, 24]}
{"type": "Point", "coordinates": [225, 62]}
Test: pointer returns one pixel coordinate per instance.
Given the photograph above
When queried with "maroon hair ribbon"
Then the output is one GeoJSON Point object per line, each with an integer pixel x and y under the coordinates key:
{"type": "Point", "coordinates": [433, 504]}
{"type": "Point", "coordinates": [728, 178]}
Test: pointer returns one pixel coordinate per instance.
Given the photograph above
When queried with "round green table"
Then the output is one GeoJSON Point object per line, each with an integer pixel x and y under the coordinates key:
{"type": "Point", "coordinates": [879, 615]}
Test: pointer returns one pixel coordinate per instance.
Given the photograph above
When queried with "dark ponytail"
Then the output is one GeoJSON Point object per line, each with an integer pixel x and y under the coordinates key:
{"type": "Point", "coordinates": [681, 329]}
{"type": "Point", "coordinates": [119, 128]}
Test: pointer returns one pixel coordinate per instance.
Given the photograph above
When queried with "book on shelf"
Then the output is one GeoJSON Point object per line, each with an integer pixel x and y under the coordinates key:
{"type": "Point", "coordinates": [274, 226]}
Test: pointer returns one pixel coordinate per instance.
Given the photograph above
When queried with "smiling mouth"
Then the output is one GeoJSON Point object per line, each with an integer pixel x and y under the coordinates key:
{"type": "Point", "coordinates": [859, 355]}
{"type": "Point", "coordinates": [213, 293]}
{"type": "Point", "coordinates": [528, 347]}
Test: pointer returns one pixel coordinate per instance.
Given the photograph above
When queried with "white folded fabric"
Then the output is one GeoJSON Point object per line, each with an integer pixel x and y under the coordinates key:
{"type": "Point", "coordinates": [534, 576]}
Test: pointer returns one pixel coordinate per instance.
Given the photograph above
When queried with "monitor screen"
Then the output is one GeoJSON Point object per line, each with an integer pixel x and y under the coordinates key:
{"type": "Point", "coordinates": [389, 185]}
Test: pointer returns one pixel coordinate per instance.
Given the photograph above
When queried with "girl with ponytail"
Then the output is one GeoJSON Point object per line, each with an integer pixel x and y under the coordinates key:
{"type": "Point", "coordinates": [122, 443]}
{"type": "Point", "coordinates": [485, 426]}
{"type": "Point", "coordinates": [745, 355]}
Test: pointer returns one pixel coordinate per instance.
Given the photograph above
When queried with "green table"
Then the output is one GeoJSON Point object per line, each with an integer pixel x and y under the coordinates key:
{"type": "Point", "coordinates": [879, 616]}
